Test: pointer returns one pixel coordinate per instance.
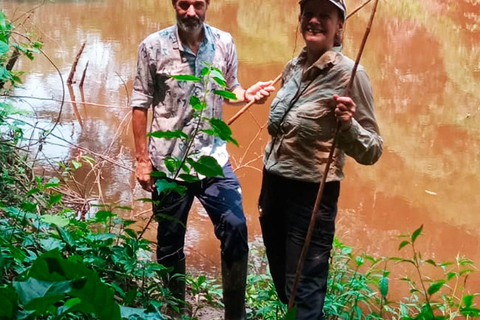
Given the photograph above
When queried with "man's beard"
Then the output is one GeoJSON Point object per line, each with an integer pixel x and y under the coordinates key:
{"type": "Point", "coordinates": [189, 25]}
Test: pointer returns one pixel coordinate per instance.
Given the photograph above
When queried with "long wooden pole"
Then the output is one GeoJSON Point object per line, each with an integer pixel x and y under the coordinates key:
{"type": "Point", "coordinates": [251, 103]}
{"type": "Point", "coordinates": [311, 227]}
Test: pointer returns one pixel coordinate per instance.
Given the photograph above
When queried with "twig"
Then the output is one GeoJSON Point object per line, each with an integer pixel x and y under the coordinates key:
{"type": "Point", "coordinates": [358, 9]}
{"type": "Point", "coordinates": [311, 227]}
{"type": "Point", "coordinates": [74, 66]}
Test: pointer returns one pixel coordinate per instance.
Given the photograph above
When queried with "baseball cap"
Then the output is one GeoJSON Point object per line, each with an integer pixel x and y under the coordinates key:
{"type": "Point", "coordinates": [340, 4]}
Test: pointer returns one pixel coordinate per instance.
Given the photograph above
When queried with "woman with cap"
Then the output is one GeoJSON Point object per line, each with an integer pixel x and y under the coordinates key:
{"type": "Point", "coordinates": [302, 122]}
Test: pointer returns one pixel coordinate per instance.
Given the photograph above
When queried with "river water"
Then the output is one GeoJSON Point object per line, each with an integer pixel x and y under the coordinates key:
{"type": "Point", "coordinates": [423, 58]}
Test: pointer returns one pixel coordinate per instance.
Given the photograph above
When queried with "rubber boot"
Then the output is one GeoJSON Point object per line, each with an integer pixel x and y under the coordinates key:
{"type": "Point", "coordinates": [175, 282]}
{"type": "Point", "coordinates": [234, 278]}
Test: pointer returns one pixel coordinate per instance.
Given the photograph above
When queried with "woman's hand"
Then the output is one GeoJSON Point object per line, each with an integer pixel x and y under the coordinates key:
{"type": "Point", "coordinates": [344, 111]}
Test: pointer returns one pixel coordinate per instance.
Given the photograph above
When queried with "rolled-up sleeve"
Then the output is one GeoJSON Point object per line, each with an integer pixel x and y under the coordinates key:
{"type": "Point", "coordinates": [362, 141]}
{"type": "Point", "coordinates": [143, 86]}
{"type": "Point", "coordinates": [232, 67]}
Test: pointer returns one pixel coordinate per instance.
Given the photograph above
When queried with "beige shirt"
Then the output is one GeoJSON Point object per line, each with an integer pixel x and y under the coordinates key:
{"type": "Point", "coordinates": [302, 127]}
{"type": "Point", "coordinates": [161, 55]}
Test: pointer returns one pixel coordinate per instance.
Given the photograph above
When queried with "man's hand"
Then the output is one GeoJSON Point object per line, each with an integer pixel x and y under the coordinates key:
{"type": "Point", "coordinates": [259, 92]}
{"type": "Point", "coordinates": [143, 173]}
{"type": "Point", "coordinates": [344, 111]}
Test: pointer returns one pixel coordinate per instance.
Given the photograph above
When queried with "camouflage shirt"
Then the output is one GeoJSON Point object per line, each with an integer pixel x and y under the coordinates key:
{"type": "Point", "coordinates": [302, 121]}
{"type": "Point", "coordinates": [162, 54]}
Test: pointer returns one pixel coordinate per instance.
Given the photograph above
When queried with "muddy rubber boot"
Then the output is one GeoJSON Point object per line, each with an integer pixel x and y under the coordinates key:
{"type": "Point", "coordinates": [234, 278]}
{"type": "Point", "coordinates": [175, 282]}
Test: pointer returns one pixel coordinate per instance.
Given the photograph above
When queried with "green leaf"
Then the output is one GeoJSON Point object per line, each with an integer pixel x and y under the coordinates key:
{"type": "Point", "coordinates": [54, 199]}
{"type": "Point", "coordinates": [221, 129]}
{"type": "Point", "coordinates": [384, 286]}
{"type": "Point", "coordinates": [473, 312]}
{"type": "Point", "coordinates": [56, 220]}
{"type": "Point", "coordinates": [186, 77]}
{"type": "Point", "coordinates": [468, 300]}
{"type": "Point", "coordinates": [76, 164]}
{"type": "Point", "coordinates": [4, 48]}
{"type": "Point", "coordinates": [430, 261]}
{"type": "Point", "coordinates": [165, 186]}
{"type": "Point", "coordinates": [66, 236]}
{"type": "Point", "coordinates": [220, 81]}
{"type": "Point", "coordinates": [205, 71]}
{"type": "Point", "coordinates": [103, 215]}
{"type": "Point", "coordinates": [172, 164]}
{"type": "Point", "coordinates": [188, 177]}
{"type": "Point", "coordinates": [197, 104]}
{"type": "Point", "coordinates": [54, 182]}
{"type": "Point", "coordinates": [177, 134]}
{"type": "Point", "coordinates": [3, 22]}
{"type": "Point", "coordinates": [434, 287]}
{"type": "Point", "coordinates": [225, 94]}
{"type": "Point", "coordinates": [8, 303]}
{"type": "Point", "coordinates": [206, 166]}
{"type": "Point", "coordinates": [416, 233]}
{"type": "Point", "coordinates": [403, 244]}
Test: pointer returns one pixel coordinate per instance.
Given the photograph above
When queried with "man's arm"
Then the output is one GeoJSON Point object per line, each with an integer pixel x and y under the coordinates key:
{"type": "Point", "coordinates": [144, 165]}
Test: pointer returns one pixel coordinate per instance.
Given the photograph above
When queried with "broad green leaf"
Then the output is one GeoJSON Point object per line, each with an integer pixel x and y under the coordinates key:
{"type": "Point", "coordinates": [172, 164]}
{"type": "Point", "coordinates": [53, 182]}
{"type": "Point", "coordinates": [220, 81]}
{"type": "Point", "coordinates": [104, 215]}
{"type": "Point", "coordinates": [473, 312]}
{"type": "Point", "coordinates": [56, 220]}
{"type": "Point", "coordinates": [34, 289]}
{"type": "Point", "coordinates": [197, 104]}
{"type": "Point", "coordinates": [206, 166]}
{"type": "Point", "coordinates": [403, 244]}
{"type": "Point", "coordinates": [17, 253]}
{"type": "Point", "coordinates": [434, 287]}
{"type": "Point", "coordinates": [468, 300]}
{"type": "Point", "coordinates": [221, 129]}
{"type": "Point", "coordinates": [66, 236]}
{"type": "Point", "coordinates": [165, 186]}
{"type": "Point", "coordinates": [225, 94]}
{"type": "Point", "coordinates": [186, 77]}
{"type": "Point", "coordinates": [3, 22]}
{"type": "Point", "coordinates": [55, 198]}
{"type": "Point", "coordinates": [384, 286]}
{"type": "Point", "coordinates": [177, 134]}
{"type": "Point", "coordinates": [205, 71]}
{"type": "Point", "coordinates": [8, 303]}
{"type": "Point", "coordinates": [416, 233]}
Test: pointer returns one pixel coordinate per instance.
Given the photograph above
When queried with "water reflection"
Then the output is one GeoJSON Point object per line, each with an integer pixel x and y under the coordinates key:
{"type": "Point", "coordinates": [422, 57]}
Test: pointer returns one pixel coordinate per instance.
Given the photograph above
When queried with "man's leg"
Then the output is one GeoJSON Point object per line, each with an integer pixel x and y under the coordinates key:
{"type": "Point", "coordinates": [171, 212]}
{"type": "Point", "coordinates": [222, 199]}
{"type": "Point", "coordinates": [312, 288]}
{"type": "Point", "coordinates": [273, 223]}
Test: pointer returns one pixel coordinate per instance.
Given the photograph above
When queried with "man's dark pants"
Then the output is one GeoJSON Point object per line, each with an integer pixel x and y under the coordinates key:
{"type": "Point", "coordinates": [285, 209]}
{"type": "Point", "coordinates": [221, 197]}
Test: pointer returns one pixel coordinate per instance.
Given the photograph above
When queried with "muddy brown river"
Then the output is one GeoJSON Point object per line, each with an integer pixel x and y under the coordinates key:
{"type": "Point", "coordinates": [423, 58]}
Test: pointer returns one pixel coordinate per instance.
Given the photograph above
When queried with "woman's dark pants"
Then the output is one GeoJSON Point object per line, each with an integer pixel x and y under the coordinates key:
{"type": "Point", "coordinates": [285, 209]}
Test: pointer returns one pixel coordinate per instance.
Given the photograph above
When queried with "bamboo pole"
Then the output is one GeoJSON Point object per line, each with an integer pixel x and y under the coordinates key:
{"type": "Point", "coordinates": [308, 238]}
{"type": "Point", "coordinates": [74, 66]}
{"type": "Point", "coordinates": [248, 105]}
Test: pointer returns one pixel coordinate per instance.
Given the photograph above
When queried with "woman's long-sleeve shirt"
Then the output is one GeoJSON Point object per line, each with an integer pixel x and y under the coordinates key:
{"type": "Point", "coordinates": [302, 120]}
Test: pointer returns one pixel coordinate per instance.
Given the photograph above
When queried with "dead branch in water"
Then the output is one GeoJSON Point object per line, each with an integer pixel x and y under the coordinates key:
{"type": "Point", "coordinates": [74, 66]}
{"type": "Point", "coordinates": [83, 75]}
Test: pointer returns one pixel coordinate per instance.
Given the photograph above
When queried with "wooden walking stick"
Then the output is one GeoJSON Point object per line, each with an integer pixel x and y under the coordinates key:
{"type": "Point", "coordinates": [251, 103]}
{"type": "Point", "coordinates": [308, 238]}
